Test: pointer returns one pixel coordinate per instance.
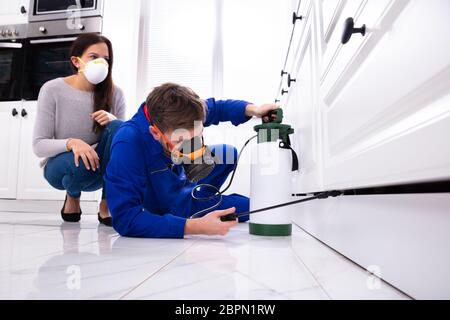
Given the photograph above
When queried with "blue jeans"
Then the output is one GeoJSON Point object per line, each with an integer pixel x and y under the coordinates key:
{"type": "Point", "coordinates": [62, 173]}
{"type": "Point", "coordinates": [227, 158]}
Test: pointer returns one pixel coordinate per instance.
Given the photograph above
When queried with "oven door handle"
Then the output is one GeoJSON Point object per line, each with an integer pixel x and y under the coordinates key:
{"type": "Point", "coordinates": [53, 40]}
{"type": "Point", "coordinates": [11, 45]}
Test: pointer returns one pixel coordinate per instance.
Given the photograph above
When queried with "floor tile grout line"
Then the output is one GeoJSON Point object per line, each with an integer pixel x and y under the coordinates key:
{"type": "Point", "coordinates": [155, 272]}
{"type": "Point", "coordinates": [4, 269]}
{"type": "Point", "coordinates": [272, 289]}
{"type": "Point", "coordinates": [310, 271]}
{"type": "Point", "coordinates": [27, 233]}
{"type": "Point", "coordinates": [312, 275]}
{"type": "Point", "coordinates": [38, 225]}
{"type": "Point", "coordinates": [353, 262]}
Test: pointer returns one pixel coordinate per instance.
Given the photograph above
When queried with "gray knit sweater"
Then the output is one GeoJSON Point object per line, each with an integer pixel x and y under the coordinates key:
{"type": "Point", "coordinates": [63, 112]}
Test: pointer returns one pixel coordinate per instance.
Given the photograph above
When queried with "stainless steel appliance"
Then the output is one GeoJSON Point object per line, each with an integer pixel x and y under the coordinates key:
{"type": "Point", "coordinates": [33, 54]}
{"type": "Point", "coordinates": [43, 10]}
{"type": "Point", "coordinates": [47, 52]}
{"type": "Point", "coordinates": [12, 53]}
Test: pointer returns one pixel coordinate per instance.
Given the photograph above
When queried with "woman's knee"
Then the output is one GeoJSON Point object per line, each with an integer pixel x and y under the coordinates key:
{"type": "Point", "coordinates": [63, 168]}
{"type": "Point", "coordinates": [113, 126]}
{"type": "Point", "coordinates": [81, 174]}
{"type": "Point", "coordinates": [79, 179]}
{"type": "Point", "coordinates": [56, 168]}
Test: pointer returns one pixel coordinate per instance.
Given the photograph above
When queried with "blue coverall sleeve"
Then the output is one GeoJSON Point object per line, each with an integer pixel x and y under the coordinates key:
{"type": "Point", "coordinates": [126, 181]}
{"type": "Point", "coordinates": [226, 110]}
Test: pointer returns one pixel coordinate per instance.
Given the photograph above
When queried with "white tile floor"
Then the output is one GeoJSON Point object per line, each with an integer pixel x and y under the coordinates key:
{"type": "Point", "coordinates": [43, 258]}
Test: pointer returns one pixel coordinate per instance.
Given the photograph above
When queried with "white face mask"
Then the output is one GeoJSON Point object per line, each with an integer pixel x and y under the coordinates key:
{"type": "Point", "coordinates": [96, 70]}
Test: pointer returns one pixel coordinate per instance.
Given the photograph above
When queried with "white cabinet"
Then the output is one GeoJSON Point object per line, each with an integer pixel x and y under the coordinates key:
{"type": "Point", "coordinates": [31, 183]}
{"type": "Point", "coordinates": [21, 177]}
{"type": "Point", "coordinates": [9, 144]}
{"type": "Point", "coordinates": [14, 12]}
{"type": "Point", "coordinates": [375, 111]}
{"type": "Point", "coordinates": [386, 96]}
{"type": "Point", "coordinates": [300, 105]}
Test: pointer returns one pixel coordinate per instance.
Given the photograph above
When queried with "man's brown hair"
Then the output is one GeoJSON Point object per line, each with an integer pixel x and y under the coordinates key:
{"type": "Point", "coordinates": [172, 106]}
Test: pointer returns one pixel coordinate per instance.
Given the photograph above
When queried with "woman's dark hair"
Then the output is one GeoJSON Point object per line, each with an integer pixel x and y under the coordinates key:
{"type": "Point", "coordinates": [103, 92]}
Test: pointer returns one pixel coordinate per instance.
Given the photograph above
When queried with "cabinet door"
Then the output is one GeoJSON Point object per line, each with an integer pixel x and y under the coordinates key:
{"type": "Point", "coordinates": [303, 114]}
{"type": "Point", "coordinates": [14, 12]}
{"type": "Point", "coordinates": [386, 96]}
{"type": "Point", "coordinates": [9, 145]}
{"type": "Point", "coordinates": [31, 182]}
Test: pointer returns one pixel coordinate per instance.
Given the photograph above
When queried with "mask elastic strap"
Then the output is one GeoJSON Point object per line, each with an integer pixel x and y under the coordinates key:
{"type": "Point", "coordinates": [170, 144]}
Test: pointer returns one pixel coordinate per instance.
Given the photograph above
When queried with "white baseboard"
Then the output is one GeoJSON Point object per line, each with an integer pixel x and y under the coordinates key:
{"type": "Point", "coordinates": [43, 206]}
{"type": "Point", "coordinates": [406, 236]}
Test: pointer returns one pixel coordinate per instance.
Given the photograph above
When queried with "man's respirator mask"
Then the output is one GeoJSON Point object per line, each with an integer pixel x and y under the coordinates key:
{"type": "Point", "coordinates": [197, 159]}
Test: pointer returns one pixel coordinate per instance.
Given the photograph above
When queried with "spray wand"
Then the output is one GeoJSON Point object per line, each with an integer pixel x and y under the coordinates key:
{"type": "Point", "coordinates": [323, 195]}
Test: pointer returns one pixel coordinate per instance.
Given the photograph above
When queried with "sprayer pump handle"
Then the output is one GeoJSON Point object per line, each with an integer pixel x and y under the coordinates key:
{"type": "Point", "coordinates": [274, 116]}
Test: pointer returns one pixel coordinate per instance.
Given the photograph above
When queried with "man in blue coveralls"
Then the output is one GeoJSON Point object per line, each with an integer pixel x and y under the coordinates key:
{"type": "Point", "coordinates": [148, 194]}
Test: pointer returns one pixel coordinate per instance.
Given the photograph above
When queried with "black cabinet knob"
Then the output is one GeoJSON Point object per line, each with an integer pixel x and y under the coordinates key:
{"type": "Point", "coordinates": [350, 30]}
{"type": "Point", "coordinates": [277, 101]}
{"type": "Point", "coordinates": [23, 10]}
{"type": "Point", "coordinates": [24, 113]}
{"type": "Point", "coordinates": [283, 92]}
{"type": "Point", "coordinates": [283, 73]}
{"type": "Point", "coordinates": [14, 112]}
{"type": "Point", "coordinates": [290, 80]}
{"type": "Point", "coordinates": [295, 17]}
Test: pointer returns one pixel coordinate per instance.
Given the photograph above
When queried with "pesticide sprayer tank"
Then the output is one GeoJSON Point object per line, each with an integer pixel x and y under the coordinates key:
{"type": "Point", "coordinates": [271, 178]}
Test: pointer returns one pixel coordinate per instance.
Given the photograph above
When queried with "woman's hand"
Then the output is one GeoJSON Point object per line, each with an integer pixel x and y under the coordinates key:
{"type": "Point", "coordinates": [260, 111]}
{"type": "Point", "coordinates": [103, 117]}
{"type": "Point", "coordinates": [211, 224]}
{"type": "Point", "coordinates": [84, 151]}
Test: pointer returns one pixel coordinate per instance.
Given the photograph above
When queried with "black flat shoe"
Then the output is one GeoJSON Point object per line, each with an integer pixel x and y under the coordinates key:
{"type": "Point", "coordinates": [105, 221]}
{"type": "Point", "coordinates": [70, 217]}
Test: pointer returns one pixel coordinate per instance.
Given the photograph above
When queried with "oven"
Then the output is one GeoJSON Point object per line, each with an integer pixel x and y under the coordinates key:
{"type": "Point", "coordinates": [12, 53]}
{"type": "Point", "coordinates": [47, 52]}
{"type": "Point", "coordinates": [44, 10]}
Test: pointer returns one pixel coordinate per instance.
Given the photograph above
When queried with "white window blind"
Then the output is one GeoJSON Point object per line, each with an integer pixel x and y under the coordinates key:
{"type": "Point", "coordinates": [255, 34]}
{"type": "Point", "coordinates": [178, 39]}
{"type": "Point", "coordinates": [232, 49]}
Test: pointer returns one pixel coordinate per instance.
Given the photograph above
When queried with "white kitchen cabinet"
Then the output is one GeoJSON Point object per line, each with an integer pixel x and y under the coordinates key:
{"type": "Point", "coordinates": [375, 111]}
{"type": "Point", "coordinates": [21, 176]}
{"type": "Point", "coordinates": [301, 108]}
{"type": "Point", "coordinates": [386, 96]}
{"type": "Point", "coordinates": [14, 12]}
{"type": "Point", "coordinates": [401, 238]}
{"type": "Point", "coordinates": [31, 183]}
{"type": "Point", "coordinates": [303, 9]}
{"type": "Point", "coordinates": [9, 145]}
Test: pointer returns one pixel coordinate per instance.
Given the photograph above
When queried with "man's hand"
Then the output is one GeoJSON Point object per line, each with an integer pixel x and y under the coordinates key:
{"type": "Point", "coordinates": [211, 224]}
{"type": "Point", "coordinates": [260, 111]}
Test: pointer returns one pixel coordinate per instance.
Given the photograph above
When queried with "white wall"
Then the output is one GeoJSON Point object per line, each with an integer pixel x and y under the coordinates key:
{"type": "Point", "coordinates": [222, 48]}
{"type": "Point", "coordinates": [121, 26]}
{"type": "Point", "coordinates": [255, 39]}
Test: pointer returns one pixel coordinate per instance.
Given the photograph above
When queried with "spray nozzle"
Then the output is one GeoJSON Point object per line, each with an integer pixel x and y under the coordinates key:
{"type": "Point", "coordinates": [328, 194]}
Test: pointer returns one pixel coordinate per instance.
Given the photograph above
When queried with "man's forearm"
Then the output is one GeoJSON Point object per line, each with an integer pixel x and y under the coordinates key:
{"type": "Point", "coordinates": [192, 227]}
{"type": "Point", "coordinates": [250, 110]}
